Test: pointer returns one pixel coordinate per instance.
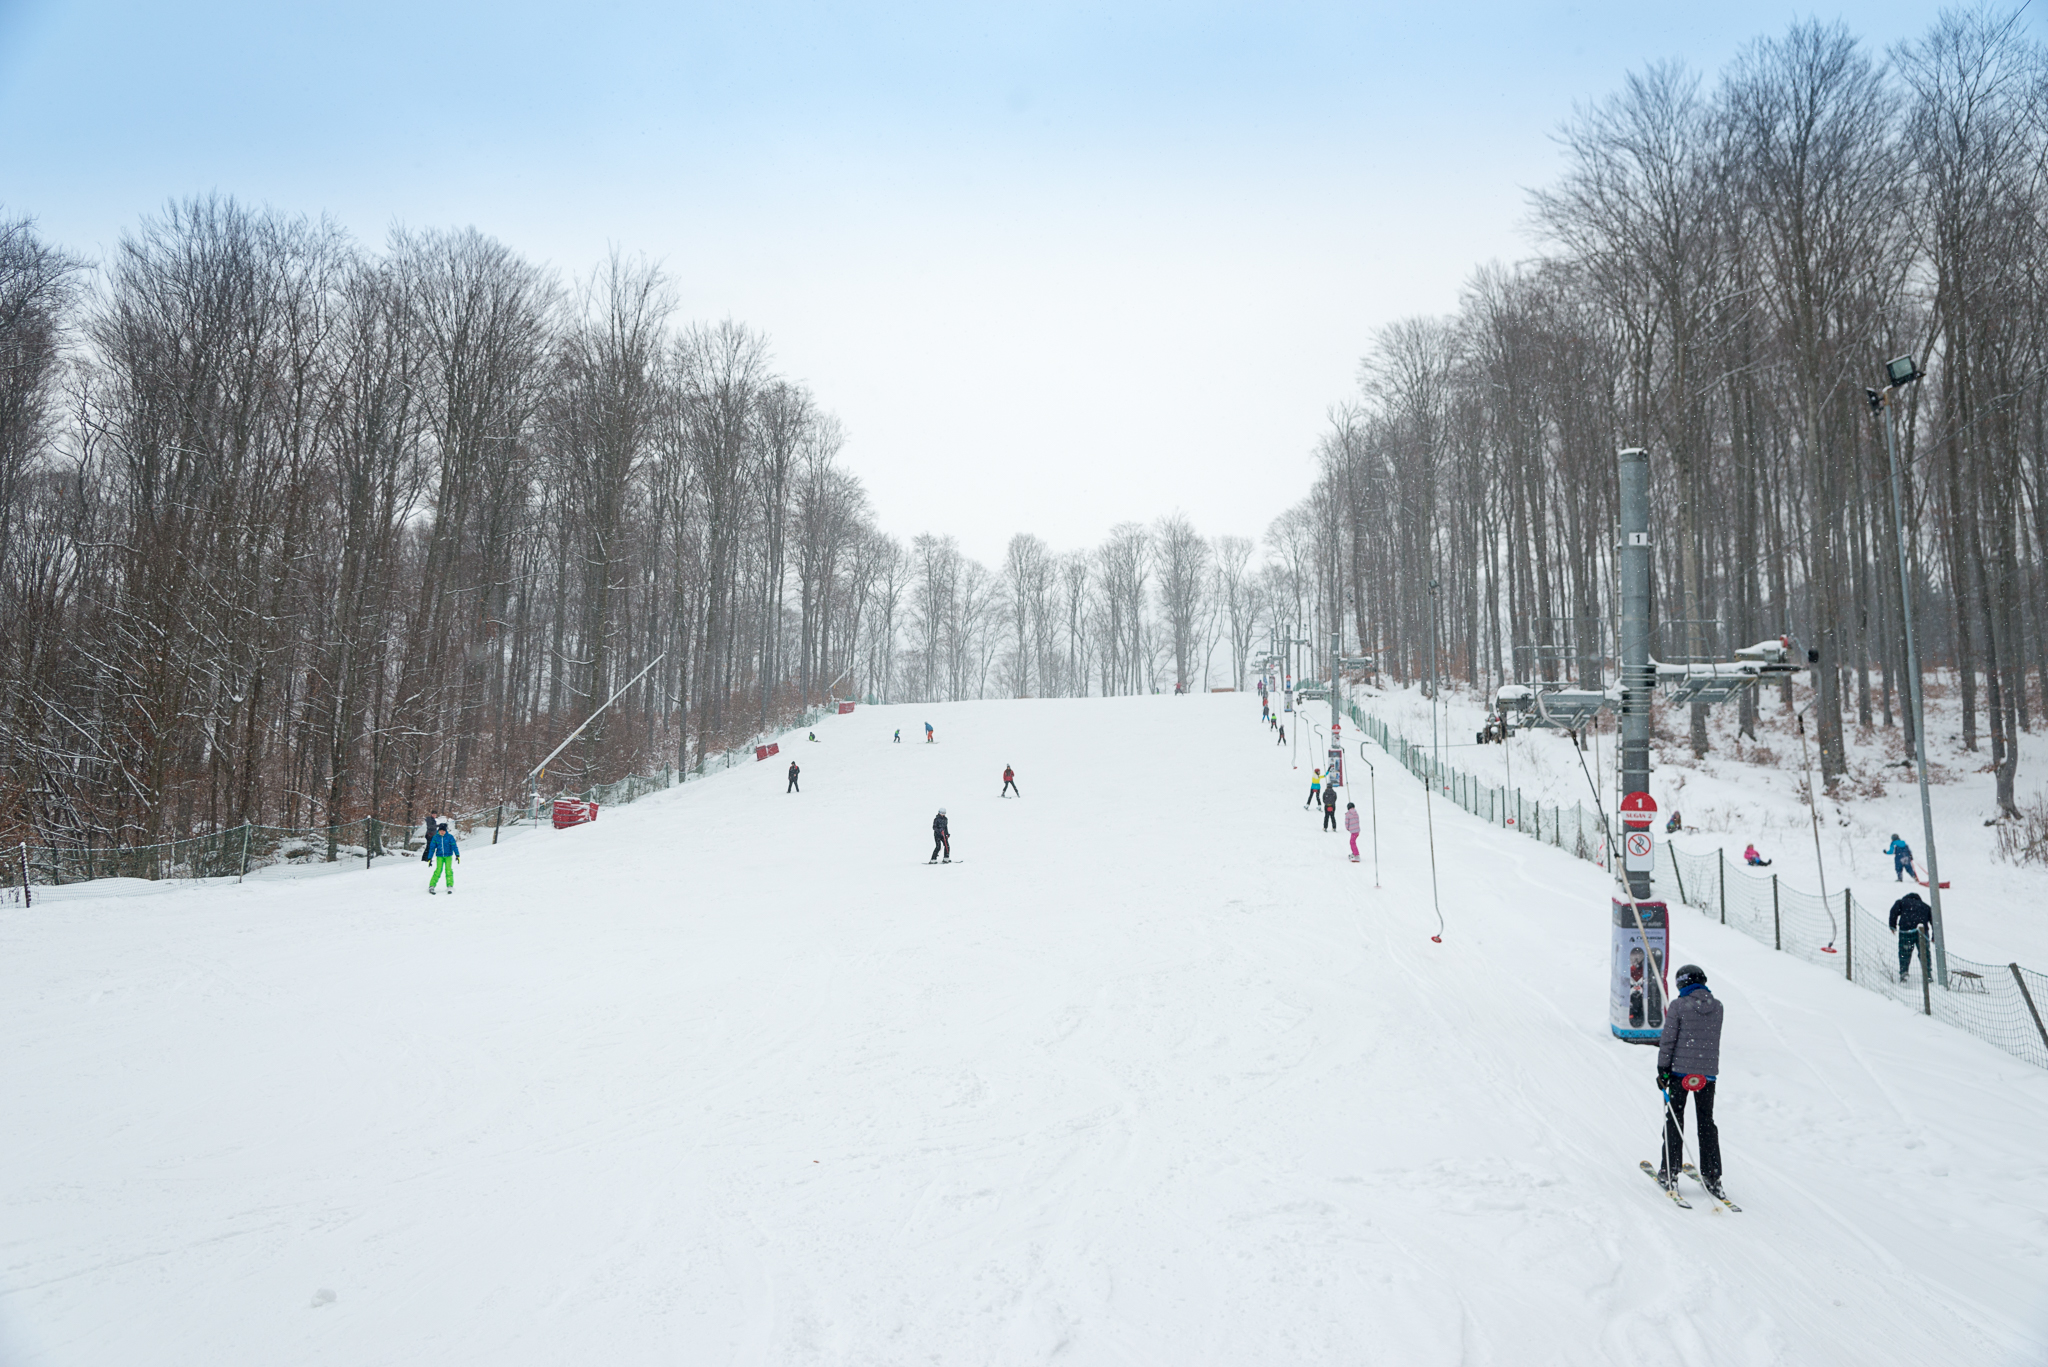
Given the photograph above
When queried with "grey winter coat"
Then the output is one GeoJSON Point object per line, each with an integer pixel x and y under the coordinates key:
{"type": "Point", "coordinates": [1692, 1036]}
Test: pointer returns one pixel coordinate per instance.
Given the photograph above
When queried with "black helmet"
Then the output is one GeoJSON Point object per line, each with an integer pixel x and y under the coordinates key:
{"type": "Point", "coordinates": [1690, 975]}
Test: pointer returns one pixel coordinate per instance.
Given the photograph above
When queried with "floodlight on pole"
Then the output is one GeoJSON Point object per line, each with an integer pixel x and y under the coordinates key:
{"type": "Point", "coordinates": [1898, 373]}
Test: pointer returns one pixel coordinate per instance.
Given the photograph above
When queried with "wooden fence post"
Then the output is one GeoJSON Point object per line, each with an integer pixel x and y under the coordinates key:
{"type": "Point", "coordinates": [1849, 934]}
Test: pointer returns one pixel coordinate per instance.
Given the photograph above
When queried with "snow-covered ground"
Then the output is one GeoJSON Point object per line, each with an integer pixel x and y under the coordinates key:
{"type": "Point", "coordinates": [1153, 1076]}
{"type": "Point", "coordinates": [1755, 791]}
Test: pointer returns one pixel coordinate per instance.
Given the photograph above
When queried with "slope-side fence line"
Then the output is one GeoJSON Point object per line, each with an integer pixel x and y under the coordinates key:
{"type": "Point", "coordinates": [237, 851]}
{"type": "Point", "coordinates": [2001, 1004]}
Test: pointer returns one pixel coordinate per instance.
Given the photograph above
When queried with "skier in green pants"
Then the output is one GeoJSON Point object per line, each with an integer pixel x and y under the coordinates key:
{"type": "Point", "coordinates": [443, 848]}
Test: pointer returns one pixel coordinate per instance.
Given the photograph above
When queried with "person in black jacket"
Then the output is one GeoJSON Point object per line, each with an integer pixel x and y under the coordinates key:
{"type": "Point", "coordinates": [1330, 805]}
{"type": "Point", "coordinates": [427, 839]}
{"type": "Point", "coordinates": [793, 772]}
{"type": "Point", "coordinates": [942, 839]}
{"type": "Point", "coordinates": [1909, 914]}
{"type": "Point", "coordinates": [1688, 1064]}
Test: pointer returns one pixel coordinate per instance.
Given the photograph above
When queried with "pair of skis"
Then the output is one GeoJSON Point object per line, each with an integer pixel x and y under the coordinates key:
{"type": "Point", "coordinates": [1650, 1169]}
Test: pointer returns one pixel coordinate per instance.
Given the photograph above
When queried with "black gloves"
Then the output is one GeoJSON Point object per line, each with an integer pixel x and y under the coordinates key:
{"type": "Point", "coordinates": [1665, 1077]}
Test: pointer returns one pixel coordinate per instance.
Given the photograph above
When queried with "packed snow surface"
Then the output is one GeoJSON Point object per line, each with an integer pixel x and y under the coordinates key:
{"type": "Point", "coordinates": [1153, 1076]}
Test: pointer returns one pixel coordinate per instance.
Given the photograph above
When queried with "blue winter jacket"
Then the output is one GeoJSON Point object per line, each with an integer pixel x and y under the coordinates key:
{"type": "Point", "coordinates": [1900, 851]}
{"type": "Point", "coordinates": [443, 846]}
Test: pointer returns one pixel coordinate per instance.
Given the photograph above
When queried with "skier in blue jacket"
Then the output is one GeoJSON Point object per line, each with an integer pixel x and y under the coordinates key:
{"type": "Point", "coordinates": [1902, 860]}
{"type": "Point", "coordinates": [441, 849]}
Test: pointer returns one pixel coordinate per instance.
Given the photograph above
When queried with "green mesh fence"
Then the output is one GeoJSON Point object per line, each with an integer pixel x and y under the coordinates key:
{"type": "Point", "coordinates": [2001, 1004]}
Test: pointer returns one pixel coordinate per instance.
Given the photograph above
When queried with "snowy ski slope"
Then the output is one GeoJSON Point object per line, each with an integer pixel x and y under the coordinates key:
{"type": "Point", "coordinates": [1153, 1077]}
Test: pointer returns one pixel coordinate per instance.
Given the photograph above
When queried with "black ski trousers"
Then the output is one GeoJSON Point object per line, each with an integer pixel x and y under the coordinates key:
{"type": "Point", "coordinates": [1010, 786]}
{"type": "Point", "coordinates": [1329, 818]}
{"type": "Point", "coordinates": [1909, 940]}
{"type": "Point", "coordinates": [792, 788]}
{"type": "Point", "coordinates": [942, 842]}
{"type": "Point", "coordinates": [1709, 1132]}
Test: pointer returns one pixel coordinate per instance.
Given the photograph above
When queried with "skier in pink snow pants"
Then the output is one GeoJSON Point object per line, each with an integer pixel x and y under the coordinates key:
{"type": "Point", "coordinates": [1351, 825]}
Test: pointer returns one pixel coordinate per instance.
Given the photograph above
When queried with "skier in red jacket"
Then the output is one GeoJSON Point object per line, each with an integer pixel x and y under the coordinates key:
{"type": "Point", "coordinates": [1010, 783]}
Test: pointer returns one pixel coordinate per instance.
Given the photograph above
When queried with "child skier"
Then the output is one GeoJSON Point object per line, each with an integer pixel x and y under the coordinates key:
{"type": "Point", "coordinates": [942, 838]}
{"type": "Point", "coordinates": [1902, 860]}
{"type": "Point", "coordinates": [1330, 808]}
{"type": "Point", "coordinates": [1351, 825]}
{"type": "Point", "coordinates": [1010, 783]}
{"type": "Point", "coordinates": [1315, 788]}
{"type": "Point", "coordinates": [927, 733]}
{"type": "Point", "coordinates": [793, 772]}
{"type": "Point", "coordinates": [441, 849]}
{"type": "Point", "coordinates": [899, 736]}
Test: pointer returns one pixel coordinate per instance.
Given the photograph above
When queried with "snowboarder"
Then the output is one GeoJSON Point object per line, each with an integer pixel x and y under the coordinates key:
{"type": "Point", "coordinates": [1909, 914]}
{"type": "Point", "coordinates": [1902, 860]}
{"type": "Point", "coordinates": [814, 736]}
{"type": "Point", "coordinates": [793, 772]}
{"type": "Point", "coordinates": [1315, 788]}
{"type": "Point", "coordinates": [1010, 783]}
{"type": "Point", "coordinates": [927, 733]}
{"type": "Point", "coordinates": [441, 849]}
{"type": "Point", "coordinates": [942, 838]}
{"type": "Point", "coordinates": [899, 736]}
{"type": "Point", "coordinates": [1672, 826]}
{"type": "Point", "coordinates": [1351, 825]}
{"type": "Point", "coordinates": [1753, 859]}
{"type": "Point", "coordinates": [1688, 1061]}
{"type": "Point", "coordinates": [1330, 808]}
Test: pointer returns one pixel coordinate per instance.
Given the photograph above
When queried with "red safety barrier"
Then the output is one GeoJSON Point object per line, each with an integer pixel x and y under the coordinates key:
{"type": "Point", "coordinates": [844, 708]}
{"type": "Point", "coordinates": [763, 751]}
{"type": "Point", "coordinates": [571, 812]}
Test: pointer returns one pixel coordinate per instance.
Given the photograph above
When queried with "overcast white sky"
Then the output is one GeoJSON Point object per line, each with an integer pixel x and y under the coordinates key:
{"type": "Point", "coordinates": [1055, 266]}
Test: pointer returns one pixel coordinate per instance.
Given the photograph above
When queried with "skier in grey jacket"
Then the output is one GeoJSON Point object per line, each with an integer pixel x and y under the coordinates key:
{"type": "Point", "coordinates": [1690, 1048]}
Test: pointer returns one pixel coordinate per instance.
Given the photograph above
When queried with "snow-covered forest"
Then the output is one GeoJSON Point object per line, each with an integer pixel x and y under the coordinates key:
{"type": "Point", "coordinates": [1727, 263]}
{"type": "Point", "coordinates": [298, 530]}
{"type": "Point", "coordinates": [294, 528]}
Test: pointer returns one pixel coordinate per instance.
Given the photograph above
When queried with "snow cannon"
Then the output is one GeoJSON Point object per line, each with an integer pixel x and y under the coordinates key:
{"type": "Point", "coordinates": [1642, 956]}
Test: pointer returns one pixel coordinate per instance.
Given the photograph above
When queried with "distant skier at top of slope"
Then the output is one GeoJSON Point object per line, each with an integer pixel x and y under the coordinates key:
{"type": "Point", "coordinates": [1690, 1047]}
{"type": "Point", "coordinates": [1010, 783]}
{"type": "Point", "coordinates": [942, 838]}
{"type": "Point", "coordinates": [899, 736]}
{"type": "Point", "coordinates": [927, 733]}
